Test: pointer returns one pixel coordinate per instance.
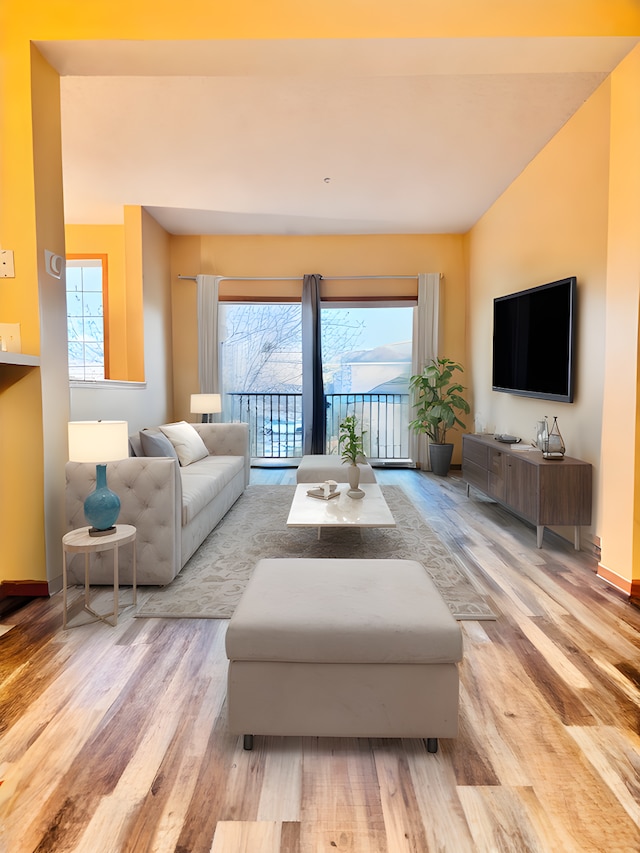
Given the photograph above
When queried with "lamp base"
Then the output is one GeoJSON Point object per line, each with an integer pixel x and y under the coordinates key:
{"type": "Point", "coordinates": [93, 531]}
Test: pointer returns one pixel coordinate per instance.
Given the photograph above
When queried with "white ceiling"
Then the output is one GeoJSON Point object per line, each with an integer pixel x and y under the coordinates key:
{"type": "Point", "coordinates": [366, 136]}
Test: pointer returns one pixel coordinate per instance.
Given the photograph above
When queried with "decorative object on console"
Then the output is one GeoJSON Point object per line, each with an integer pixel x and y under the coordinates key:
{"type": "Point", "coordinates": [206, 405]}
{"type": "Point", "coordinates": [107, 441]}
{"type": "Point", "coordinates": [542, 430]}
{"type": "Point", "coordinates": [437, 398]}
{"type": "Point", "coordinates": [351, 446]}
{"type": "Point", "coordinates": [505, 438]}
{"type": "Point", "coordinates": [553, 445]}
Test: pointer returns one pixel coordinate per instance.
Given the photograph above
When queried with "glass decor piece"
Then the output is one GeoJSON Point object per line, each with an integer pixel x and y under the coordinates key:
{"type": "Point", "coordinates": [554, 445]}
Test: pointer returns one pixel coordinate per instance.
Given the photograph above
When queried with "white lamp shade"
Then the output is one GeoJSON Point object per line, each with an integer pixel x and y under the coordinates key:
{"type": "Point", "coordinates": [205, 404]}
{"type": "Point", "coordinates": [98, 441]}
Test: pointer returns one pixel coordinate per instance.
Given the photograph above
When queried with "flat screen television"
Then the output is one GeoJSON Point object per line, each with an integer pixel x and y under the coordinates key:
{"type": "Point", "coordinates": [534, 334]}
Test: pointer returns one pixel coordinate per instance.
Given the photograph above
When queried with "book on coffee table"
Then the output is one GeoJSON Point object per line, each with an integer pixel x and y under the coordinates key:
{"type": "Point", "coordinates": [320, 494]}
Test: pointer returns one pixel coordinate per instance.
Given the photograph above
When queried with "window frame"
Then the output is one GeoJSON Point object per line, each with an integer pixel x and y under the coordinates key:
{"type": "Point", "coordinates": [103, 258]}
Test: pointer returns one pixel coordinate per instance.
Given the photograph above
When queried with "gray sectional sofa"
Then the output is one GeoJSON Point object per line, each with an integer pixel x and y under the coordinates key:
{"type": "Point", "coordinates": [173, 506]}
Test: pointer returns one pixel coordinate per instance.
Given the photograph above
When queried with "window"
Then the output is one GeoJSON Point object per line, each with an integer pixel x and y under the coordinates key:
{"type": "Point", "coordinates": [366, 356]}
{"type": "Point", "coordinates": [366, 351]}
{"type": "Point", "coordinates": [86, 332]}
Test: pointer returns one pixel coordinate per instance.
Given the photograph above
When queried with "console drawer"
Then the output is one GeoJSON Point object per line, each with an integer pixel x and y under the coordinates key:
{"type": "Point", "coordinates": [474, 451]}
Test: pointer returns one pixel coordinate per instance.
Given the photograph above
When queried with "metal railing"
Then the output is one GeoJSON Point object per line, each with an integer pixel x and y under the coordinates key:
{"type": "Point", "coordinates": [275, 422]}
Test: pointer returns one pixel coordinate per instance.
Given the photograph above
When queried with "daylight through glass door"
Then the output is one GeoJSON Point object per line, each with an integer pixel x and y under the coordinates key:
{"type": "Point", "coordinates": [366, 352]}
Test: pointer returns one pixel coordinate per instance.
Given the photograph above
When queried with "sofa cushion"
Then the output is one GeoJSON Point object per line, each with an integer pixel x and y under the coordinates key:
{"type": "Point", "coordinates": [343, 611]}
{"type": "Point", "coordinates": [186, 441]}
{"type": "Point", "coordinates": [156, 444]}
{"type": "Point", "coordinates": [203, 481]}
{"type": "Point", "coordinates": [135, 447]}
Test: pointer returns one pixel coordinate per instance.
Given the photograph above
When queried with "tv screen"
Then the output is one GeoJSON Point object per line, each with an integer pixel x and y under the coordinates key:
{"type": "Point", "coordinates": [534, 340]}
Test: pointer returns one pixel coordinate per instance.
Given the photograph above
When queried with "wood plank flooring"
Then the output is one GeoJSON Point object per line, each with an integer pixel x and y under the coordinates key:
{"type": "Point", "coordinates": [114, 739]}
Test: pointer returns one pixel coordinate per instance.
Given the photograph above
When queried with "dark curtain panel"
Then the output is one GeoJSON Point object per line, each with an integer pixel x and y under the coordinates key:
{"type": "Point", "coordinates": [313, 412]}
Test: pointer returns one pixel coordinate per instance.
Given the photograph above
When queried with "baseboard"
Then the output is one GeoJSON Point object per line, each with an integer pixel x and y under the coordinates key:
{"type": "Point", "coordinates": [628, 587]}
{"type": "Point", "coordinates": [24, 589]}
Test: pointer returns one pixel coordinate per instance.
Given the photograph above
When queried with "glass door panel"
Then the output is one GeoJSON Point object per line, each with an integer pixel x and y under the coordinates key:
{"type": "Point", "coordinates": [366, 354]}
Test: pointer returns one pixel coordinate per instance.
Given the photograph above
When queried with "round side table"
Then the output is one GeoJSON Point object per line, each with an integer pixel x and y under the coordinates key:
{"type": "Point", "coordinates": [79, 541]}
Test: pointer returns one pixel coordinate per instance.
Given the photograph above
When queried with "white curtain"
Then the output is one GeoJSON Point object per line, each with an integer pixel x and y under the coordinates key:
{"type": "Point", "coordinates": [426, 319]}
{"type": "Point", "coordinates": [208, 347]}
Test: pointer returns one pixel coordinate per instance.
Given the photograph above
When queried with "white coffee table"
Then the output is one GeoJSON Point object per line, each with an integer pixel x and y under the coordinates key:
{"type": "Point", "coordinates": [370, 511]}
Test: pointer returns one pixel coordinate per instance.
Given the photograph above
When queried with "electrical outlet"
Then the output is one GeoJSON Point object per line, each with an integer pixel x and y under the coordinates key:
{"type": "Point", "coordinates": [6, 264]}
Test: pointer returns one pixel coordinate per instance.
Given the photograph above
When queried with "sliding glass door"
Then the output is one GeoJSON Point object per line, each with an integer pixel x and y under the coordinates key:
{"type": "Point", "coordinates": [366, 352]}
{"type": "Point", "coordinates": [261, 371]}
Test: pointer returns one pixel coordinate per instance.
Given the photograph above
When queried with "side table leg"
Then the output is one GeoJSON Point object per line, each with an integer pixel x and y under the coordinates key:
{"type": "Point", "coordinates": [64, 588]}
{"type": "Point", "coordinates": [135, 589]}
{"type": "Point", "coordinates": [539, 533]}
{"type": "Point", "coordinates": [576, 537]}
{"type": "Point", "coordinates": [116, 583]}
{"type": "Point", "coordinates": [86, 581]}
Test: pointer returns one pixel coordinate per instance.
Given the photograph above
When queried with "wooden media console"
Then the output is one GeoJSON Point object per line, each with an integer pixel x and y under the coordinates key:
{"type": "Point", "coordinates": [545, 492]}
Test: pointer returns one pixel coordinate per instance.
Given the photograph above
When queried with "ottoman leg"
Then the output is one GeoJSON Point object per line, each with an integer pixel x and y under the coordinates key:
{"type": "Point", "coordinates": [248, 742]}
{"type": "Point", "coordinates": [432, 744]}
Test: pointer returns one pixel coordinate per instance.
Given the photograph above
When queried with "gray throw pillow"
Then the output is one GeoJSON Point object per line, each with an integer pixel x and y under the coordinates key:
{"type": "Point", "coordinates": [156, 444]}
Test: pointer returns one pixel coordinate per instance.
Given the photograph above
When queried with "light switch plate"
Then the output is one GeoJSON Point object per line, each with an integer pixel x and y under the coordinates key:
{"type": "Point", "coordinates": [6, 264]}
{"type": "Point", "coordinates": [10, 337]}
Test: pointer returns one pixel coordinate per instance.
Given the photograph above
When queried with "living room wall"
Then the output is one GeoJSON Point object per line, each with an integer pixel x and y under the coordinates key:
{"type": "Point", "coordinates": [295, 256]}
{"type": "Point", "coordinates": [139, 252]}
{"type": "Point", "coordinates": [550, 223]}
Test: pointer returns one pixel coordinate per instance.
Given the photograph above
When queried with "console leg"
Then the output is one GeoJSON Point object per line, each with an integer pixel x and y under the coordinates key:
{"type": "Point", "coordinates": [432, 744]}
{"type": "Point", "coordinates": [248, 742]}
{"type": "Point", "coordinates": [576, 537]}
{"type": "Point", "coordinates": [539, 532]}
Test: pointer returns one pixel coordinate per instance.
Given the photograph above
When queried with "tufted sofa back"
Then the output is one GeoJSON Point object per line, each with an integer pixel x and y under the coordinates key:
{"type": "Point", "coordinates": [150, 493]}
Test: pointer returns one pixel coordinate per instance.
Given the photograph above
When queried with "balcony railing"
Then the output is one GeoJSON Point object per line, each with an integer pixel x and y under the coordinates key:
{"type": "Point", "coordinates": [275, 422]}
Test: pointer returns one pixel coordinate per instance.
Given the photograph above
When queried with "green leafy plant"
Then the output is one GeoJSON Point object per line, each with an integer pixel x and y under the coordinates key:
{"type": "Point", "coordinates": [350, 441]}
{"type": "Point", "coordinates": [437, 399]}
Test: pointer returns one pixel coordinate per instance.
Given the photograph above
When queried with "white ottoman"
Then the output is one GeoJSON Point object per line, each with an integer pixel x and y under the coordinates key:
{"type": "Point", "coordinates": [343, 648]}
{"type": "Point", "coordinates": [318, 468]}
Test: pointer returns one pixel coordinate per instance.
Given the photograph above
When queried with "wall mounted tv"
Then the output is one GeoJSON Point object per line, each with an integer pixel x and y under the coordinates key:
{"type": "Point", "coordinates": [534, 334]}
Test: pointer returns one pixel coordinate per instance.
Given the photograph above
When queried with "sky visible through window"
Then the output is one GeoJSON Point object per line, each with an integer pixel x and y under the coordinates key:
{"type": "Point", "coordinates": [362, 347]}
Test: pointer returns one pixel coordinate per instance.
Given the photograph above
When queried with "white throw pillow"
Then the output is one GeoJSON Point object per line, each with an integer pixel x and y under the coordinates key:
{"type": "Point", "coordinates": [187, 442]}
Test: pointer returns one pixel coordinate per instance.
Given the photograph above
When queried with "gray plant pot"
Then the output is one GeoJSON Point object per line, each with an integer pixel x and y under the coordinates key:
{"type": "Point", "coordinates": [440, 457]}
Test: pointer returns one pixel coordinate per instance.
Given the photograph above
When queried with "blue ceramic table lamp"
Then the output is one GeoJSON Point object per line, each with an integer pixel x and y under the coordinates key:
{"type": "Point", "coordinates": [99, 442]}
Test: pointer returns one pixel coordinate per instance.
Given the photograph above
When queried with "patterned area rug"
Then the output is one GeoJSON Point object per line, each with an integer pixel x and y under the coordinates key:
{"type": "Point", "coordinates": [211, 583]}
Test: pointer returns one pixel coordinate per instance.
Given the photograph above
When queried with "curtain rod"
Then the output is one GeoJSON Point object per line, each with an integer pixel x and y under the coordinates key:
{"type": "Point", "coordinates": [299, 278]}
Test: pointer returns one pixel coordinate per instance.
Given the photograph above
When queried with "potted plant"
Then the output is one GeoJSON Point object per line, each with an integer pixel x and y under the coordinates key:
{"type": "Point", "coordinates": [437, 400]}
{"type": "Point", "coordinates": [351, 447]}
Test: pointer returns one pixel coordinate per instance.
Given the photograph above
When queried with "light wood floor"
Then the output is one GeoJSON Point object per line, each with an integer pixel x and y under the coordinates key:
{"type": "Point", "coordinates": [114, 739]}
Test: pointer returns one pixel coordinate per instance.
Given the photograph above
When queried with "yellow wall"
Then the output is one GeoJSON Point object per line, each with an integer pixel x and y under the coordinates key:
{"type": "Point", "coordinates": [576, 211]}
{"type": "Point", "coordinates": [550, 223]}
{"type": "Point", "coordinates": [107, 240]}
{"type": "Point", "coordinates": [619, 486]}
{"type": "Point", "coordinates": [33, 402]}
{"type": "Point", "coordinates": [198, 19]}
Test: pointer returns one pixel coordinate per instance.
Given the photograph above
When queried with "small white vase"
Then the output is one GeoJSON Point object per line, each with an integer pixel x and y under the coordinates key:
{"type": "Point", "coordinates": [353, 474]}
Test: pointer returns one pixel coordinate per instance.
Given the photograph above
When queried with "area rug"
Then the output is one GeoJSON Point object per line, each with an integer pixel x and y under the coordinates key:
{"type": "Point", "coordinates": [212, 581]}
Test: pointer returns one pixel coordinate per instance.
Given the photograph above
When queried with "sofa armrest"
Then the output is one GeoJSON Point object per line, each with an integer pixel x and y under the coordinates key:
{"type": "Point", "coordinates": [227, 440]}
{"type": "Point", "coordinates": [150, 492]}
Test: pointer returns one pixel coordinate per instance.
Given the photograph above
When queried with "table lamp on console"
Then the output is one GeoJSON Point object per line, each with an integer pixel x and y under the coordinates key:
{"type": "Point", "coordinates": [99, 442]}
{"type": "Point", "coordinates": [206, 405]}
